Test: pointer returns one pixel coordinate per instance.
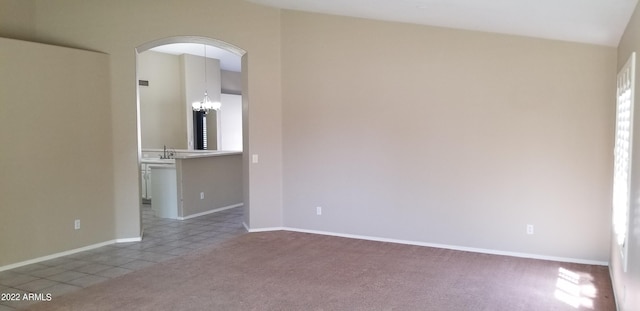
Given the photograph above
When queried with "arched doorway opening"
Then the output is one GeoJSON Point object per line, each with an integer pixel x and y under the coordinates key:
{"type": "Point", "coordinates": [209, 44]}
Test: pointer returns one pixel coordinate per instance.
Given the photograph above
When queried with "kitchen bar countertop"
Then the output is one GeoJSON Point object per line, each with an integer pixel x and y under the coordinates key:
{"type": "Point", "coordinates": [152, 156]}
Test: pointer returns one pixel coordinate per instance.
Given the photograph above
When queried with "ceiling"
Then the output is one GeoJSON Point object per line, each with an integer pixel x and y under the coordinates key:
{"type": "Point", "coordinates": [228, 61]}
{"type": "Point", "coordinates": [600, 22]}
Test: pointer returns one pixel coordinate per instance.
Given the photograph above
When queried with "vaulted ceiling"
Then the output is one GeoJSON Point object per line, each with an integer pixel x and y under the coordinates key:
{"type": "Point", "coordinates": [599, 22]}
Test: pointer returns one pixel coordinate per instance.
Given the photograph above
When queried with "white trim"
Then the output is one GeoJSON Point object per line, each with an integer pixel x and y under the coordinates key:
{"type": "Point", "coordinates": [128, 240]}
{"type": "Point", "coordinates": [623, 152]}
{"type": "Point", "coordinates": [343, 235]}
{"type": "Point", "coordinates": [269, 229]}
{"type": "Point", "coordinates": [616, 298]}
{"type": "Point", "coordinates": [69, 252]}
{"type": "Point", "coordinates": [192, 39]}
{"type": "Point", "coordinates": [443, 246]}
{"type": "Point", "coordinates": [56, 255]}
{"type": "Point", "coordinates": [211, 211]}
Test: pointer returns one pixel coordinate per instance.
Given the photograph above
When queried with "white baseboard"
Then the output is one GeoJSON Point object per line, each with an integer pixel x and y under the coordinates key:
{"type": "Point", "coordinates": [56, 255]}
{"type": "Point", "coordinates": [211, 211]}
{"type": "Point", "coordinates": [267, 229]}
{"type": "Point", "coordinates": [444, 246]}
{"type": "Point", "coordinates": [93, 246]}
{"type": "Point", "coordinates": [128, 240]}
{"type": "Point", "coordinates": [344, 235]}
{"type": "Point", "coordinates": [616, 295]}
{"type": "Point", "coordinates": [67, 253]}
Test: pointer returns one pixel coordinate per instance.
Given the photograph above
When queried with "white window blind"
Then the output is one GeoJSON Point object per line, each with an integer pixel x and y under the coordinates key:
{"type": "Point", "coordinates": [204, 132]}
{"type": "Point", "coordinates": [622, 155]}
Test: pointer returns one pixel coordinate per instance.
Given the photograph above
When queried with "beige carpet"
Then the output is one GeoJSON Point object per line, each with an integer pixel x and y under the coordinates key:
{"type": "Point", "coordinates": [297, 271]}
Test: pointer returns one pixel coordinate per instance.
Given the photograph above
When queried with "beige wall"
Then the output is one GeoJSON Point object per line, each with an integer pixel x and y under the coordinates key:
{"type": "Point", "coordinates": [220, 178]}
{"type": "Point", "coordinates": [56, 162]}
{"type": "Point", "coordinates": [449, 137]}
{"type": "Point", "coordinates": [117, 28]}
{"type": "Point", "coordinates": [17, 19]}
{"type": "Point", "coordinates": [162, 106]}
{"type": "Point", "coordinates": [627, 284]}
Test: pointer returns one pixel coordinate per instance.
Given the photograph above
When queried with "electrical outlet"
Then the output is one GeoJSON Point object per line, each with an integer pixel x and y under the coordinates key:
{"type": "Point", "coordinates": [318, 210]}
{"type": "Point", "coordinates": [201, 195]}
{"type": "Point", "coordinates": [76, 224]}
{"type": "Point", "coordinates": [529, 229]}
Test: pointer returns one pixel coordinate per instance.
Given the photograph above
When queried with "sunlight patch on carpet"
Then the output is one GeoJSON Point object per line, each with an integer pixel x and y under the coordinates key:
{"type": "Point", "coordinates": [575, 289]}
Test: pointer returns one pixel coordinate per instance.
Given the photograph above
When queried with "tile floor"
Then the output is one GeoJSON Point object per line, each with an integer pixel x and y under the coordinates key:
{"type": "Point", "coordinates": [164, 239]}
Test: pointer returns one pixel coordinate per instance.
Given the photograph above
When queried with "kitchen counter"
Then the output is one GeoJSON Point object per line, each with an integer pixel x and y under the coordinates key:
{"type": "Point", "coordinates": [193, 183]}
{"type": "Point", "coordinates": [214, 153]}
{"type": "Point", "coordinates": [157, 161]}
{"type": "Point", "coordinates": [154, 155]}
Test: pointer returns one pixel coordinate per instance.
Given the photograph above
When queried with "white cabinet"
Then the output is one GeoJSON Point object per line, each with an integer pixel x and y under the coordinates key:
{"type": "Point", "coordinates": [145, 174]}
{"type": "Point", "coordinates": [145, 181]}
{"type": "Point", "coordinates": [164, 184]}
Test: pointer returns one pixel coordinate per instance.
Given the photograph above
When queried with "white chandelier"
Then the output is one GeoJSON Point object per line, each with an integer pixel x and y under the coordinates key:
{"type": "Point", "coordinates": [206, 105]}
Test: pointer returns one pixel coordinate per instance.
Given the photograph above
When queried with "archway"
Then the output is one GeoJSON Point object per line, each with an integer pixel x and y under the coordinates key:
{"type": "Point", "coordinates": [220, 45]}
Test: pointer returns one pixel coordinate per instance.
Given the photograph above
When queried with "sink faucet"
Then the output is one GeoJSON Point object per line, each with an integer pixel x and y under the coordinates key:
{"type": "Point", "coordinates": [167, 154]}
